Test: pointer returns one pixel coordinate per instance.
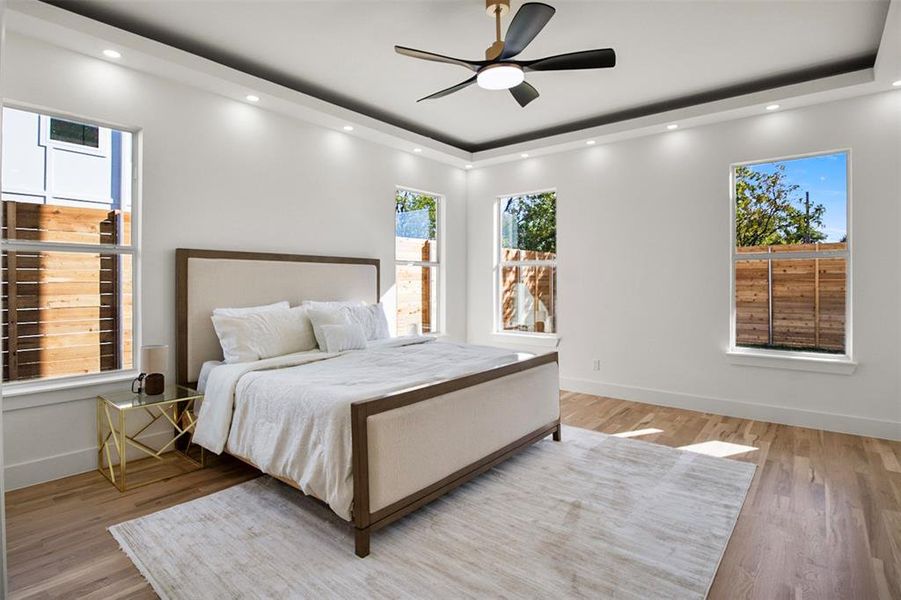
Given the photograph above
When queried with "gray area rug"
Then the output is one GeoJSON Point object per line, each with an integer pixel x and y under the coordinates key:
{"type": "Point", "coordinates": [594, 516]}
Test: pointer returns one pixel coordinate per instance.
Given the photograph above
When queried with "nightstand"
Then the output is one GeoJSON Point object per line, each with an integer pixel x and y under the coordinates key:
{"type": "Point", "coordinates": [125, 420]}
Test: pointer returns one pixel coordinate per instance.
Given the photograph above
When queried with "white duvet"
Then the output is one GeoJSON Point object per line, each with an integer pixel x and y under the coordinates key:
{"type": "Point", "coordinates": [290, 415]}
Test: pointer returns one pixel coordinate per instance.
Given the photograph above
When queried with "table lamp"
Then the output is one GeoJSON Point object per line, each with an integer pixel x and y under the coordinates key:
{"type": "Point", "coordinates": [153, 365]}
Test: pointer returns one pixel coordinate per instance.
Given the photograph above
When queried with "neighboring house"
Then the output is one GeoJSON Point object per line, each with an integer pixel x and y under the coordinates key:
{"type": "Point", "coordinates": [47, 160]}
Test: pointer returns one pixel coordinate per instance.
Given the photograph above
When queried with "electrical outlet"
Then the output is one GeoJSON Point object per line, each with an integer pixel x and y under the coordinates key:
{"type": "Point", "coordinates": [596, 365]}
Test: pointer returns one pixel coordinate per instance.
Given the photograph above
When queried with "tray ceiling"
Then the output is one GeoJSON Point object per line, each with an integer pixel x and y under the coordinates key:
{"type": "Point", "coordinates": [670, 54]}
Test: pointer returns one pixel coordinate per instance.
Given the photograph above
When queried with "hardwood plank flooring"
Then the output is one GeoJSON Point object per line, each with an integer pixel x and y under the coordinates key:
{"type": "Point", "coordinates": [822, 519]}
{"type": "Point", "coordinates": [823, 515]}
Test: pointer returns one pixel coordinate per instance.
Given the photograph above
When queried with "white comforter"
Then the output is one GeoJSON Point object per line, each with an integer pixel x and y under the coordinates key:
{"type": "Point", "coordinates": [290, 415]}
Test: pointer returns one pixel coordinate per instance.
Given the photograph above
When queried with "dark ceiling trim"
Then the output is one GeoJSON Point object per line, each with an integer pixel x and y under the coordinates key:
{"type": "Point", "coordinates": [256, 69]}
{"type": "Point", "coordinates": [106, 13]}
{"type": "Point", "coordinates": [827, 70]}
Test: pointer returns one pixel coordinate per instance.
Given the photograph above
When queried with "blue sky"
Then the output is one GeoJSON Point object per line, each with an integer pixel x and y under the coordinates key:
{"type": "Point", "coordinates": [826, 178]}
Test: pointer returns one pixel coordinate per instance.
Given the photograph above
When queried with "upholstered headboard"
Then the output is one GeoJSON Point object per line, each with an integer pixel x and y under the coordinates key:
{"type": "Point", "coordinates": [209, 279]}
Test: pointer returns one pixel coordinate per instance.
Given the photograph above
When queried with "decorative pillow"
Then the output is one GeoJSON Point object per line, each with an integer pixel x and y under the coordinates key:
{"type": "Point", "coordinates": [324, 316]}
{"type": "Point", "coordinates": [237, 312]}
{"type": "Point", "coordinates": [339, 338]}
{"type": "Point", "coordinates": [371, 318]}
{"type": "Point", "coordinates": [264, 334]}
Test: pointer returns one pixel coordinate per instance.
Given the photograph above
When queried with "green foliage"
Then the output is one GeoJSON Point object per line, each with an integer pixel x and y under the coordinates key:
{"type": "Point", "coordinates": [530, 222]}
{"type": "Point", "coordinates": [406, 201]}
{"type": "Point", "coordinates": [771, 211]}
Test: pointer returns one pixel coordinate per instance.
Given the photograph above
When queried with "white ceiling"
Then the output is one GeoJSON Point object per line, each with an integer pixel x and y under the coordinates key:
{"type": "Point", "coordinates": [667, 51]}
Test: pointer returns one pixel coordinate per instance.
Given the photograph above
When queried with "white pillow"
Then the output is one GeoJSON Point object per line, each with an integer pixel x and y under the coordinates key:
{"type": "Point", "coordinates": [339, 338]}
{"type": "Point", "coordinates": [324, 316]}
{"type": "Point", "coordinates": [254, 336]}
{"type": "Point", "coordinates": [371, 318]}
{"type": "Point", "coordinates": [331, 304]}
{"type": "Point", "coordinates": [237, 312]}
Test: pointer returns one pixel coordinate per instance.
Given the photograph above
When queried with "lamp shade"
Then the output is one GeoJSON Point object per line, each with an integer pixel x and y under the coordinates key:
{"type": "Point", "coordinates": [154, 358]}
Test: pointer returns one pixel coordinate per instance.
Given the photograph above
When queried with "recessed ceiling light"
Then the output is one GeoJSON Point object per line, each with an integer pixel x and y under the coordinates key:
{"type": "Point", "coordinates": [252, 98]}
{"type": "Point", "coordinates": [112, 54]}
{"type": "Point", "coordinates": [772, 107]}
{"type": "Point", "coordinates": [524, 155]}
{"type": "Point", "coordinates": [417, 149]}
{"type": "Point", "coordinates": [896, 83]}
{"type": "Point", "coordinates": [672, 126]}
{"type": "Point", "coordinates": [348, 128]}
{"type": "Point", "coordinates": [468, 166]}
{"type": "Point", "coordinates": [590, 143]}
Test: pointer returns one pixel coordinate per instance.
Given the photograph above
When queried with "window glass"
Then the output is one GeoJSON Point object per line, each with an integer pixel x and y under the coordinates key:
{"type": "Point", "coordinates": [417, 266]}
{"type": "Point", "coordinates": [67, 250]}
{"type": "Point", "coordinates": [65, 314]}
{"type": "Point", "coordinates": [74, 133]}
{"type": "Point", "coordinates": [791, 255]}
{"type": "Point", "coordinates": [527, 278]}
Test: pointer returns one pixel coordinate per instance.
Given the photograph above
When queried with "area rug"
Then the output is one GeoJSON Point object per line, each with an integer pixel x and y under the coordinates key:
{"type": "Point", "coordinates": [594, 516]}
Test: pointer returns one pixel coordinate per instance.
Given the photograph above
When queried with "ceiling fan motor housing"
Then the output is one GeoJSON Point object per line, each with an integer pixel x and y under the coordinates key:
{"type": "Point", "coordinates": [494, 50]}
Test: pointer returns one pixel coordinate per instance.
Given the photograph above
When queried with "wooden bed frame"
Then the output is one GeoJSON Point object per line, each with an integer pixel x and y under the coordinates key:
{"type": "Point", "coordinates": [366, 521]}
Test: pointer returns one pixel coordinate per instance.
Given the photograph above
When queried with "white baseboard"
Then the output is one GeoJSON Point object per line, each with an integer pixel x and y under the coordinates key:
{"type": "Point", "coordinates": [890, 430]}
{"type": "Point", "coordinates": [48, 468]}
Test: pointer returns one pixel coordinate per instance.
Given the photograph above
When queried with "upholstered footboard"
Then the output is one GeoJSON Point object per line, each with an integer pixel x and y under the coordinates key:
{"type": "Point", "coordinates": [412, 446]}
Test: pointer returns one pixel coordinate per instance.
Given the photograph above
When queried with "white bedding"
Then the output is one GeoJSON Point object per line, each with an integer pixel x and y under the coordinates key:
{"type": "Point", "coordinates": [205, 370]}
{"type": "Point", "coordinates": [290, 415]}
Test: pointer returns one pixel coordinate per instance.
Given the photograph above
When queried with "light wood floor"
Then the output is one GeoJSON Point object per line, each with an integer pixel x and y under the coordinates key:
{"type": "Point", "coordinates": [822, 519]}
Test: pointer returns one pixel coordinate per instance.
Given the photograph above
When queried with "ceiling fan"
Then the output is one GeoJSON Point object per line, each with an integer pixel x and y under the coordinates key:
{"type": "Point", "coordinates": [498, 71]}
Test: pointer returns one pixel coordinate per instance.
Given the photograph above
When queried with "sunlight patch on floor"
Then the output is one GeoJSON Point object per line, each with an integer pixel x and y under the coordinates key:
{"type": "Point", "coordinates": [637, 432]}
{"type": "Point", "coordinates": [718, 448]}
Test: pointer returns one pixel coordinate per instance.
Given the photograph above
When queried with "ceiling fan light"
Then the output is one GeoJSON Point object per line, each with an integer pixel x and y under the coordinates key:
{"type": "Point", "coordinates": [500, 77]}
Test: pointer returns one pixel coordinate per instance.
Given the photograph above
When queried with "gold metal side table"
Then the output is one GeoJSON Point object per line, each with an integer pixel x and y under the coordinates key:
{"type": "Point", "coordinates": [175, 405]}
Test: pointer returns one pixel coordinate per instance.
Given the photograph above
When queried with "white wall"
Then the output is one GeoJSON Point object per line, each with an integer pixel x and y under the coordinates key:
{"type": "Point", "coordinates": [644, 265]}
{"type": "Point", "coordinates": [217, 173]}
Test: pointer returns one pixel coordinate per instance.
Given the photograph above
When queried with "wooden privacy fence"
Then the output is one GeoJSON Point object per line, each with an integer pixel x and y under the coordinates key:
{"type": "Point", "coordinates": [540, 285]}
{"type": "Point", "coordinates": [413, 285]}
{"type": "Point", "coordinates": [796, 304]}
{"type": "Point", "coordinates": [65, 313]}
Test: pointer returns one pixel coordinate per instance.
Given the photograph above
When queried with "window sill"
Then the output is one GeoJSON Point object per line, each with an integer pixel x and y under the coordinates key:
{"type": "Point", "coordinates": [545, 340]}
{"type": "Point", "coordinates": [838, 365]}
{"type": "Point", "coordinates": [29, 394]}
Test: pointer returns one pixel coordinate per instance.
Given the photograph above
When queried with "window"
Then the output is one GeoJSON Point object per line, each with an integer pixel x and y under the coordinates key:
{"type": "Point", "coordinates": [417, 260]}
{"type": "Point", "coordinates": [526, 279]}
{"type": "Point", "coordinates": [67, 251]}
{"type": "Point", "coordinates": [74, 133]}
{"type": "Point", "coordinates": [791, 254]}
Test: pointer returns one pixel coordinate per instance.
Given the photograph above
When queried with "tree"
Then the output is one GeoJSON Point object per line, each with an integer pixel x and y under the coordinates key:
{"type": "Point", "coordinates": [765, 211]}
{"type": "Point", "coordinates": [801, 224]}
{"type": "Point", "coordinates": [415, 225]}
{"type": "Point", "coordinates": [530, 222]}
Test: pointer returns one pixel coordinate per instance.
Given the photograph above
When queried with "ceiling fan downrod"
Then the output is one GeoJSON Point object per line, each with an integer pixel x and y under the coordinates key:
{"type": "Point", "coordinates": [496, 9]}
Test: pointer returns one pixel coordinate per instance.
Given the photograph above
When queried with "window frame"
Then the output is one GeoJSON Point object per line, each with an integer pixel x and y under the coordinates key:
{"type": "Point", "coordinates": [437, 264]}
{"type": "Point", "coordinates": [52, 384]}
{"type": "Point", "coordinates": [499, 264]}
{"type": "Point", "coordinates": [807, 360]}
{"type": "Point", "coordinates": [103, 141]}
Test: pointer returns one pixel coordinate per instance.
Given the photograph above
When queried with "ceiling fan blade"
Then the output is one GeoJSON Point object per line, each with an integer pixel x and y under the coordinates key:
{"type": "Point", "coordinates": [450, 90]}
{"type": "Point", "coordinates": [524, 93]}
{"type": "Point", "coordinates": [422, 54]}
{"type": "Point", "coordinates": [530, 19]}
{"type": "Point", "coordinates": [586, 59]}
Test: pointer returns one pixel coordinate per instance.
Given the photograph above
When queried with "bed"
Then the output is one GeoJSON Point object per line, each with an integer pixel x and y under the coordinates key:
{"type": "Point", "coordinates": [374, 433]}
